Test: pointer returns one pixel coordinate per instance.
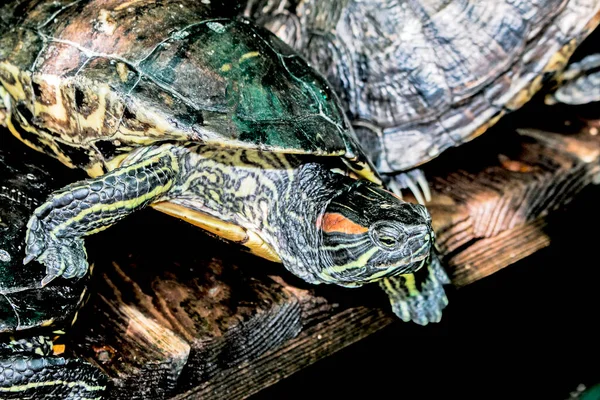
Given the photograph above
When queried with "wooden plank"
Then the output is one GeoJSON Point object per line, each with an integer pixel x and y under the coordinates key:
{"type": "Point", "coordinates": [177, 308]}
{"type": "Point", "coordinates": [489, 198]}
{"type": "Point", "coordinates": [489, 255]}
{"type": "Point", "coordinates": [197, 319]}
{"type": "Point", "coordinates": [312, 344]}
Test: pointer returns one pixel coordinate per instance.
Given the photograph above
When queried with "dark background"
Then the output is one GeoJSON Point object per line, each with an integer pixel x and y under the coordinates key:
{"type": "Point", "coordinates": [528, 331]}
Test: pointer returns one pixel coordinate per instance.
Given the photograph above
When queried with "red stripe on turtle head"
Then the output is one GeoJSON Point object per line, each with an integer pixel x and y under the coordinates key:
{"type": "Point", "coordinates": [336, 222]}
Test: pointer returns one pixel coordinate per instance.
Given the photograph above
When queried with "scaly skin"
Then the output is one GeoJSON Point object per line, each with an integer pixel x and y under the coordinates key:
{"type": "Point", "coordinates": [321, 224]}
{"type": "Point", "coordinates": [84, 82]}
{"type": "Point", "coordinates": [579, 83]}
{"type": "Point", "coordinates": [418, 297]}
{"type": "Point", "coordinates": [56, 228]}
{"type": "Point", "coordinates": [28, 369]}
{"type": "Point", "coordinates": [38, 377]}
{"type": "Point", "coordinates": [30, 314]}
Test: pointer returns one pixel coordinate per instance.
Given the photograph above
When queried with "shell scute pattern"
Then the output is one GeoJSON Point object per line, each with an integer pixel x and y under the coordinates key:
{"type": "Point", "coordinates": [85, 76]}
{"type": "Point", "coordinates": [418, 77]}
{"type": "Point", "coordinates": [142, 99]}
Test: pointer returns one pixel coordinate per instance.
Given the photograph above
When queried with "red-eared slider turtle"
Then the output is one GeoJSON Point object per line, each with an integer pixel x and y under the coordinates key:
{"type": "Point", "coordinates": [210, 119]}
{"type": "Point", "coordinates": [31, 315]}
{"type": "Point", "coordinates": [418, 77]}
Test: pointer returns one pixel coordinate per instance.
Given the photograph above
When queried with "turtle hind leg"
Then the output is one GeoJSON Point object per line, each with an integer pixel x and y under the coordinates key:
{"type": "Point", "coordinates": [28, 370]}
{"type": "Point", "coordinates": [40, 345]}
{"type": "Point", "coordinates": [579, 84]}
{"type": "Point", "coordinates": [413, 180]}
{"type": "Point", "coordinates": [418, 297]}
{"type": "Point", "coordinates": [55, 231]}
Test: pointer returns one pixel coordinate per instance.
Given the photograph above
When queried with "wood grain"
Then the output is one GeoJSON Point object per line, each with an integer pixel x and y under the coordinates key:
{"type": "Point", "coordinates": [489, 255]}
{"type": "Point", "coordinates": [488, 208]}
{"type": "Point", "coordinates": [206, 324]}
{"type": "Point", "coordinates": [178, 310]}
{"type": "Point", "coordinates": [312, 344]}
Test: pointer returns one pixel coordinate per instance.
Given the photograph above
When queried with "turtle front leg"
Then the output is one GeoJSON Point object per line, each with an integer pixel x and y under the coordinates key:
{"type": "Point", "coordinates": [55, 231]}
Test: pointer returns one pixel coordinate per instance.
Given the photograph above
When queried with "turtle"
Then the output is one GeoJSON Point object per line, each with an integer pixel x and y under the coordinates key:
{"type": "Point", "coordinates": [31, 316]}
{"type": "Point", "coordinates": [419, 77]}
{"type": "Point", "coordinates": [191, 109]}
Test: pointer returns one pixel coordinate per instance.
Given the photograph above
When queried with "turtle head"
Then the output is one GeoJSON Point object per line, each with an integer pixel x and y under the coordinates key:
{"type": "Point", "coordinates": [368, 233]}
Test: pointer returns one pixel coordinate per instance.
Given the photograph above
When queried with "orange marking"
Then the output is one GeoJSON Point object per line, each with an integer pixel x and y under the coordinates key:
{"type": "Point", "coordinates": [335, 222]}
{"type": "Point", "coordinates": [58, 349]}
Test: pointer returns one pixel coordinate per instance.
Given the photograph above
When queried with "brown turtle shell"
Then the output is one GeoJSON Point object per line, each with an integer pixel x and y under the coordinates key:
{"type": "Point", "coordinates": [89, 80]}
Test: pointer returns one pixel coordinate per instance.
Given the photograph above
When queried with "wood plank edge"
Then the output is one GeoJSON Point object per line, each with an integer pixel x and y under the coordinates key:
{"type": "Point", "coordinates": [314, 343]}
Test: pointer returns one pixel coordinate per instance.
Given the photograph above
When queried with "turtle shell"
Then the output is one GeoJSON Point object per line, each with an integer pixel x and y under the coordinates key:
{"type": "Point", "coordinates": [418, 77]}
{"type": "Point", "coordinates": [90, 80]}
{"type": "Point", "coordinates": [23, 185]}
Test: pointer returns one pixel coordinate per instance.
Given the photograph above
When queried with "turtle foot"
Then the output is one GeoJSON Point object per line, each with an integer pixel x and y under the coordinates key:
{"type": "Point", "coordinates": [413, 180]}
{"type": "Point", "coordinates": [578, 84]}
{"type": "Point", "coordinates": [64, 257]}
{"type": "Point", "coordinates": [419, 297]}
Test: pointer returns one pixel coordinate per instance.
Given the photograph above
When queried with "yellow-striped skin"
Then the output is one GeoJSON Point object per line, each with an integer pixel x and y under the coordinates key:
{"type": "Point", "coordinates": [42, 377]}
{"type": "Point", "coordinates": [97, 89]}
{"type": "Point", "coordinates": [276, 204]}
{"type": "Point", "coordinates": [74, 111]}
{"type": "Point", "coordinates": [29, 369]}
{"type": "Point", "coordinates": [323, 225]}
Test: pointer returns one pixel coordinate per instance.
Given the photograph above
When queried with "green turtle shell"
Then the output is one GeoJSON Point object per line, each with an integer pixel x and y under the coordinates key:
{"type": "Point", "coordinates": [23, 303]}
{"type": "Point", "coordinates": [418, 77]}
{"type": "Point", "coordinates": [90, 80]}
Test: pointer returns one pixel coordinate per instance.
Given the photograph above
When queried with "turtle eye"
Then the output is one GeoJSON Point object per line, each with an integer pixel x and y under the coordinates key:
{"type": "Point", "coordinates": [388, 241]}
{"type": "Point", "coordinates": [387, 237]}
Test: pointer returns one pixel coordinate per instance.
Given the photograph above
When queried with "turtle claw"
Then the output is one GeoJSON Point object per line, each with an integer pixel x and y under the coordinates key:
{"type": "Point", "coordinates": [29, 258]}
{"type": "Point", "coordinates": [35, 239]}
{"type": "Point", "coordinates": [414, 181]}
{"type": "Point", "coordinates": [64, 257]}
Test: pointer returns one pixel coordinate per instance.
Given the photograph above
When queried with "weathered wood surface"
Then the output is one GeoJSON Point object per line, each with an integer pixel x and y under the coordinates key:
{"type": "Point", "coordinates": [177, 312]}
{"type": "Point", "coordinates": [179, 315]}
{"type": "Point", "coordinates": [488, 211]}
{"type": "Point", "coordinates": [488, 217]}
